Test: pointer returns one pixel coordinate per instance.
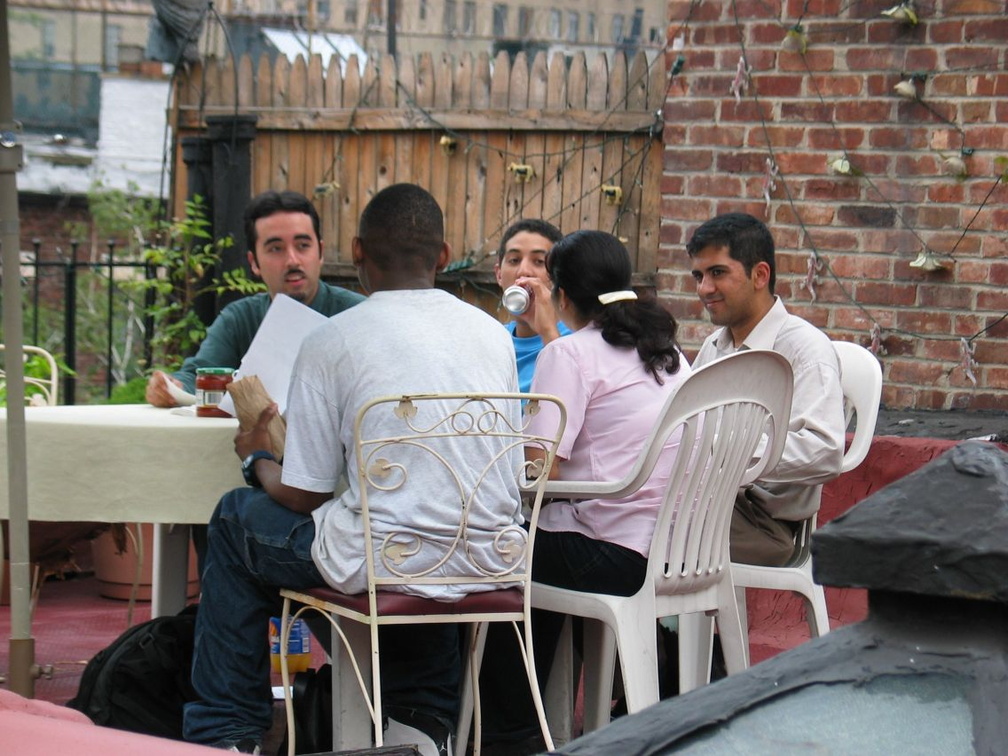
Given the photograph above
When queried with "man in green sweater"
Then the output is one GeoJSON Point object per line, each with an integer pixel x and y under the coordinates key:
{"type": "Point", "coordinates": [285, 251]}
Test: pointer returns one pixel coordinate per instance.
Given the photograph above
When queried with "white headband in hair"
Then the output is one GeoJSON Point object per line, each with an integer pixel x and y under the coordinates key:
{"type": "Point", "coordinates": [616, 296]}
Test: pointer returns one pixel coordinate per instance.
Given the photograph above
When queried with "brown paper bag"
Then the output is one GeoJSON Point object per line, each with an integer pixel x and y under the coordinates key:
{"type": "Point", "coordinates": [250, 399]}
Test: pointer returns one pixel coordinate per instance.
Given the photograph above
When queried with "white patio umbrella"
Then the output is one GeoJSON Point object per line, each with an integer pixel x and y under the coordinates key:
{"type": "Point", "coordinates": [22, 645]}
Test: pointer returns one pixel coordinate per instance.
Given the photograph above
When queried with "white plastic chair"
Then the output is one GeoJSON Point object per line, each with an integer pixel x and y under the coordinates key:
{"type": "Point", "coordinates": [486, 426]}
{"type": "Point", "coordinates": [46, 387]}
{"type": "Point", "coordinates": [861, 383]}
{"type": "Point", "coordinates": [723, 410]}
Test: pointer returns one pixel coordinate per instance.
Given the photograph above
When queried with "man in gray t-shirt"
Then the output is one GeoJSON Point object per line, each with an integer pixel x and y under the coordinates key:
{"type": "Point", "coordinates": [289, 529]}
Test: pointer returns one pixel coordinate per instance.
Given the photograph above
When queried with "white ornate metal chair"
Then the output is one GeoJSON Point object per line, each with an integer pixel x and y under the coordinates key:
{"type": "Point", "coordinates": [39, 390]}
{"type": "Point", "coordinates": [724, 411]}
{"type": "Point", "coordinates": [465, 441]}
{"type": "Point", "coordinates": [861, 383]}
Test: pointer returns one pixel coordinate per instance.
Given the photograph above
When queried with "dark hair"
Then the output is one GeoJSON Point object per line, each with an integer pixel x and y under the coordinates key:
{"type": "Point", "coordinates": [402, 226]}
{"type": "Point", "coordinates": [588, 263]}
{"type": "Point", "coordinates": [545, 229]}
{"type": "Point", "coordinates": [270, 202]}
{"type": "Point", "coordinates": [748, 240]}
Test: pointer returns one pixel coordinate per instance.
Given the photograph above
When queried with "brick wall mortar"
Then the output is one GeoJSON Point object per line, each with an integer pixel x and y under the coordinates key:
{"type": "Point", "coordinates": [806, 111]}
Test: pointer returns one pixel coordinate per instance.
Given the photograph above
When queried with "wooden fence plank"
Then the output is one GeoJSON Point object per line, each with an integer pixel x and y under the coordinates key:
{"type": "Point", "coordinates": [513, 152]}
{"type": "Point", "coordinates": [327, 198]}
{"type": "Point", "coordinates": [297, 90]}
{"type": "Point", "coordinates": [518, 91]}
{"type": "Point", "coordinates": [479, 96]}
{"type": "Point", "coordinates": [228, 83]}
{"type": "Point", "coordinates": [406, 96]}
{"type": "Point", "coordinates": [246, 83]}
{"type": "Point", "coordinates": [497, 179]}
{"type": "Point", "coordinates": [598, 85]}
{"type": "Point", "coordinates": [476, 191]}
{"type": "Point", "coordinates": [349, 177]}
{"type": "Point", "coordinates": [657, 86]}
{"type": "Point", "coordinates": [650, 208]}
{"type": "Point", "coordinates": [538, 81]}
{"type": "Point", "coordinates": [369, 96]}
{"type": "Point", "coordinates": [315, 98]}
{"type": "Point", "coordinates": [591, 150]}
{"type": "Point", "coordinates": [628, 221]}
{"type": "Point", "coordinates": [556, 83]}
{"type": "Point", "coordinates": [617, 99]}
{"type": "Point", "coordinates": [577, 82]}
{"type": "Point", "coordinates": [262, 147]}
{"type": "Point", "coordinates": [501, 82]}
{"type": "Point", "coordinates": [212, 84]}
{"type": "Point", "coordinates": [573, 186]}
{"type": "Point", "coordinates": [280, 147]}
{"type": "Point", "coordinates": [637, 84]}
{"type": "Point", "coordinates": [334, 84]}
{"type": "Point", "coordinates": [425, 81]}
{"type": "Point", "coordinates": [450, 78]}
{"type": "Point", "coordinates": [387, 90]}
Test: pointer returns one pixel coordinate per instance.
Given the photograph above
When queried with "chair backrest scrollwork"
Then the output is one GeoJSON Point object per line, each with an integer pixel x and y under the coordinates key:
{"type": "Point", "coordinates": [456, 464]}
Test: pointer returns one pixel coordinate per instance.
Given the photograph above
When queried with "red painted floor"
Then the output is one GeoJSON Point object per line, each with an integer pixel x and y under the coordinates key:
{"type": "Point", "coordinates": [72, 623]}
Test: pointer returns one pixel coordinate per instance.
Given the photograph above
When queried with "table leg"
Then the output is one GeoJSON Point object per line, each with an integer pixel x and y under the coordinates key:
{"type": "Point", "coordinates": [170, 569]}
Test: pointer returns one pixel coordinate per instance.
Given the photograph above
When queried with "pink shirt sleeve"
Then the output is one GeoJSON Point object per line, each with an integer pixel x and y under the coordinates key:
{"type": "Point", "coordinates": [557, 373]}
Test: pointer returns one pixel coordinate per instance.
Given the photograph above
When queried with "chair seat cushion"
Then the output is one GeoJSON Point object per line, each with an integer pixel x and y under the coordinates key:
{"type": "Point", "coordinates": [395, 603]}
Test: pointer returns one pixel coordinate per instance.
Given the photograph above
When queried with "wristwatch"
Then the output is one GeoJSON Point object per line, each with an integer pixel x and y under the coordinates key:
{"type": "Point", "coordinates": [248, 466]}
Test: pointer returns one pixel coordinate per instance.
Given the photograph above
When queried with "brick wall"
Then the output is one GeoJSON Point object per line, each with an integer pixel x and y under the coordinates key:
{"type": "Point", "coordinates": [49, 219]}
{"type": "Point", "coordinates": [803, 112]}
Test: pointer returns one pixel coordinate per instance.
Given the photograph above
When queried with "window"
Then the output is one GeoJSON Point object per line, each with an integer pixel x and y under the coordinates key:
{"type": "Point", "coordinates": [48, 39]}
{"type": "Point", "coordinates": [637, 24]}
{"type": "Point", "coordinates": [656, 35]}
{"type": "Point", "coordinates": [323, 10]}
{"type": "Point", "coordinates": [573, 22]}
{"type": "Point", "coordinates": [591, 30]}
{"type": "Point", "coordinates": [500, 20]}
{"type": "Point", "coordinates": [450, 23]}
{"type": "Point", "coordinates": [469, 17]}
{"type": "Point", "coordinates": [375, 14]}
{"type": "Point", "coordinates": [423, 10]}
{"type": "Point", "coordinates": [524, 21]}
{"type": "Point", "coordinates": [113, 36]}
{"type": "Point", "coordinates": [554, 24]}
{"type": "Point", "coordinates": [617, 27]}
{"type": "Point", "coordinates": [350, 13]}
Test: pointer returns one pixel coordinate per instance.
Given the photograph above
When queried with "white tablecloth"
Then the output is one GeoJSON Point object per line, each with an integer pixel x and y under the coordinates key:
{"type": "Point", "coordinates": [128, 463]}
{"type": "Point", "coordinates": [124, 463]}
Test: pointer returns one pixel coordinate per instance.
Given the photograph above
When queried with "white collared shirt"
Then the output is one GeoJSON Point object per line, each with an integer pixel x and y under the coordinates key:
{"type": "Point", "coordinates": [816, 434]}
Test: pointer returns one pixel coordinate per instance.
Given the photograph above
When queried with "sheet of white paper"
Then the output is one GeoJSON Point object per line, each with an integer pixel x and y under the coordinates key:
{"type": "Point", "coordinates": [272, 352]}
{"type": "Point", "coordinates": [179, 394]}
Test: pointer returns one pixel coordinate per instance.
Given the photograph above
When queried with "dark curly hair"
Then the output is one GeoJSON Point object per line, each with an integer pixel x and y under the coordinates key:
{"type": "Point", "coordinates": [588, 263]}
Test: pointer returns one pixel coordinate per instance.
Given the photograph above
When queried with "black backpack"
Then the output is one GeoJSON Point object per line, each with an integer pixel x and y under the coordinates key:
{"type": "Point", "coordinates": [142, 681]}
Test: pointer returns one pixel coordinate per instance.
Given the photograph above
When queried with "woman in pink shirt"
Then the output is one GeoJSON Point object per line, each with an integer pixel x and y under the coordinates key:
{"type": "Point", "coordinates": [614, 373]}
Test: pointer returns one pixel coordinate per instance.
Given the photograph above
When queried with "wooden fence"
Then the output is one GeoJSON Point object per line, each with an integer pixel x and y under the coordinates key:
{"type": "Point", "coordinates": [494, 141]}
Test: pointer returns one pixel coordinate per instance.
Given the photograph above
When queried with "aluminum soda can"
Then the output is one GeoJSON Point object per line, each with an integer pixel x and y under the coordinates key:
{"type": "Point", "coordinates": [516, 299]}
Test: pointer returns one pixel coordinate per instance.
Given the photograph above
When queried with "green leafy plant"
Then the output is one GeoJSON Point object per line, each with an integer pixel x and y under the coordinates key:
{"type": "Point", "coordinates": [131, 392]}
{"type": "Point", "coordinates": [188, 262]}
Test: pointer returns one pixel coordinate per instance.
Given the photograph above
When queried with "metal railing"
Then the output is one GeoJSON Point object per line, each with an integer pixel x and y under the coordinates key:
{"type": "Point", "coordinates": [44, 302]}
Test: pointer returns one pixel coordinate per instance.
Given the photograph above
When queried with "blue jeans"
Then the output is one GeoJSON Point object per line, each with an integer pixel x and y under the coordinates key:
{"type": "Point", "coordinates": [255, 547]}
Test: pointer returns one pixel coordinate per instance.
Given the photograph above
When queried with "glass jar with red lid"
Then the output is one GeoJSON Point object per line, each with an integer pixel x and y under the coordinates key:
{"type": "Point", "coordinates": [211, 383]}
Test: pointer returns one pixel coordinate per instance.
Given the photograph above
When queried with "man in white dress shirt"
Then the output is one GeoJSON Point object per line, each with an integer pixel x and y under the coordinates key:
{"type": "Point", "coordinates": [732, 258]}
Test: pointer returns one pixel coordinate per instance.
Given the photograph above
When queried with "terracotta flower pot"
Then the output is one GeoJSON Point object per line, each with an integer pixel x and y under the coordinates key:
{"type": "Point", "coordinates": [116, 572]}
